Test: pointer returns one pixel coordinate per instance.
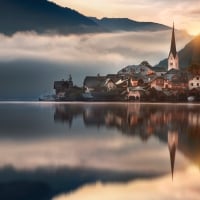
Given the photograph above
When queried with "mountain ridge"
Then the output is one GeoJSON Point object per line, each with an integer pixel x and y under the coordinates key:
{"type": "Point", "coordinates": [117, 24]}
{"type": "Point", "coordinates": [40, 16]}
{"type": "Point", "coordinates": [44, 16]}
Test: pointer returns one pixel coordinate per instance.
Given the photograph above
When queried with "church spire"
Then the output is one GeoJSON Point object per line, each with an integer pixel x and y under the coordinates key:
{"type": "Point", "coordinates": [173, 43]}
{"type": "Point", "coordinates": [173, 56]}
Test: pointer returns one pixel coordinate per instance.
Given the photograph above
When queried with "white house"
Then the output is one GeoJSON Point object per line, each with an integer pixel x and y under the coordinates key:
{"type": "Point", "coordinates": [194, 82]}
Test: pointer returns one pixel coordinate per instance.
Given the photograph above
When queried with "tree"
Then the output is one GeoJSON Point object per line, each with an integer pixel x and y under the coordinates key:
{"type": "Point", "coordinates": [194, 69]}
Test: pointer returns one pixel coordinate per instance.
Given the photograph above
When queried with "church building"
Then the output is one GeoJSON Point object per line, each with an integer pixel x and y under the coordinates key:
{"type": "Point", "coordinates": [173, 61]}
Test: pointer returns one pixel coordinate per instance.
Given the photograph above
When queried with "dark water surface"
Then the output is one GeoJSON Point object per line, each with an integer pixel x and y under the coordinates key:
{"type": "Point", "coordinates": [99, 151]}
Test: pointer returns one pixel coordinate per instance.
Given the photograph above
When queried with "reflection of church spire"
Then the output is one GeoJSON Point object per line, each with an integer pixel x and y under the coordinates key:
{"type": "Point", "coordinates": [172, 144]}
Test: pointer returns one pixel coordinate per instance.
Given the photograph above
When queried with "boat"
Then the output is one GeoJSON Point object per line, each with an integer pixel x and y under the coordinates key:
{"type": "Point", "coordinates": [47, 97]}
{"type": "Point", "coordinates": [87, 96]}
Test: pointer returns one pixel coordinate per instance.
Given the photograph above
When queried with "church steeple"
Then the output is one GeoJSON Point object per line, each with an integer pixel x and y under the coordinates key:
{"type": "Point", "coordinates": [173, 44]}
{"type": "Point", "coordinates": [173, 56]}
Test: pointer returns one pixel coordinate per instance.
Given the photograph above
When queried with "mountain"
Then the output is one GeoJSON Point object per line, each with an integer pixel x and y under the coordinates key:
{"type": "Point", "coordinates": [190, 54]}
{"type": "Point", "coordinates": [44, 16]}
{"type": "Point", "coordinates": [41, 16]}
{"type": "Point", "coordinates": [125, 24]}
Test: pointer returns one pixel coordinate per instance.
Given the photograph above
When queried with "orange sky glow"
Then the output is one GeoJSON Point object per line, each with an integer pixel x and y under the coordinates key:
{"type": "Point", "coordinates": [184, 13]}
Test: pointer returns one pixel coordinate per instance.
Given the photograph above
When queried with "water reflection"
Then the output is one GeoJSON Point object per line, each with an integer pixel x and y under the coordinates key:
{"type": "Point", "coordinates": [50, 149]}
{"type": "Point", "coordinates": [132, 119]}
{"type": "Point", "coordinates": [167, 122]}
{"type": "Point", "coordinates": [178, 126]}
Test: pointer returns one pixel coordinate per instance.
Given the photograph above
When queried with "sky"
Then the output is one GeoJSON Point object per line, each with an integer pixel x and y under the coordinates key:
{"type": "Point", "coordinates": [185, 13]}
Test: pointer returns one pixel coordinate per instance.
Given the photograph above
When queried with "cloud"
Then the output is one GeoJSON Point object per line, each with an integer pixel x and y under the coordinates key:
{"type": "Point", "coordinates": [88, 47]}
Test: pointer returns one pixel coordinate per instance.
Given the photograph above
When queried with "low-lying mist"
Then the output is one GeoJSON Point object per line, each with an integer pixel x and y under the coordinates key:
{"type": "Point", "coordinates": [29, 63]}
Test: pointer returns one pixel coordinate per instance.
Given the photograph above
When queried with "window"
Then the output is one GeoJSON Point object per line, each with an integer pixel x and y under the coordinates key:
{"type": "Point", "coordinates": [197, 84]}
{"type": "Point", "coordinates": [197, 78]}
{"type": "Point", "coordinates": [191, 84]}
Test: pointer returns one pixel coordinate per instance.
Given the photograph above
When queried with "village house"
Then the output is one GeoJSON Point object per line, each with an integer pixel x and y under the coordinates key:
{"type": "Point", "coordinates": [101, 88]}
{"type": "Point", "coordinates": [194, 82]}
{"type": "Point", "coordinates": [160, 71]}
{"type": "Point", "coordinates": [143, 69]}
{"type": "Point", "coordinates": [98, 83]}
{"type": "Point", "coordinates": [160, 83]}
{"type": "Point", "coordinates": [134, 81]}
{"type": "Point", "coordinates": [61, 87]}
{"type": "Point", "coordinates": [134, 93]}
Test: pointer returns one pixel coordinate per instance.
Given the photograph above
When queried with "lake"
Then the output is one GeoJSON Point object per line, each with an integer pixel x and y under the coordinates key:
{"type": "Point", "coordinates": [115, 151]}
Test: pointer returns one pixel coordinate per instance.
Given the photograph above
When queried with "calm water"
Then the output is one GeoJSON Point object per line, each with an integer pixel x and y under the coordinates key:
{"type": "Point", "coordinates": [99, 151]}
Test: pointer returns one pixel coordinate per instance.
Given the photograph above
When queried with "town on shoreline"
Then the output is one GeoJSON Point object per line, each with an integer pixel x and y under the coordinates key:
{"type": "Point", "coordinates": [136, 83]}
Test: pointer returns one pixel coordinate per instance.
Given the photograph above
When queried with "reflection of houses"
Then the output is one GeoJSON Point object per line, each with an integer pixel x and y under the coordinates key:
{"type": "Point", "coordinates": [66, 113]}
{"type": "Point", "coordinates": [194, 119]}
{"type": "Point", "coordinates": [62, 115]}
{"type": "Point", "coordinates": [131, 119]}
{"type": "Point", "coordinates": [178, 126]}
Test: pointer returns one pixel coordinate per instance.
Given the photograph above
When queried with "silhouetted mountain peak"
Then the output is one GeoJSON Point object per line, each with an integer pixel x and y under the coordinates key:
{"type": "Point", "coordinates": [44, 16]}
{"type": "Point", "coordinates": [40, 16]}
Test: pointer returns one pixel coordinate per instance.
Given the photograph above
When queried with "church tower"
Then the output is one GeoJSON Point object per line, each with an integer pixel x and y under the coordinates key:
{"type": "Point", "coordinates": [173, 62]}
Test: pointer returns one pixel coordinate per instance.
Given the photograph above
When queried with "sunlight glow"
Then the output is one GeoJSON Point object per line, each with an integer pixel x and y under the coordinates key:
{"type": "Point", "coordinates": [161, 12]}
{"type": "Point", "coordinates": [154, 189]}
